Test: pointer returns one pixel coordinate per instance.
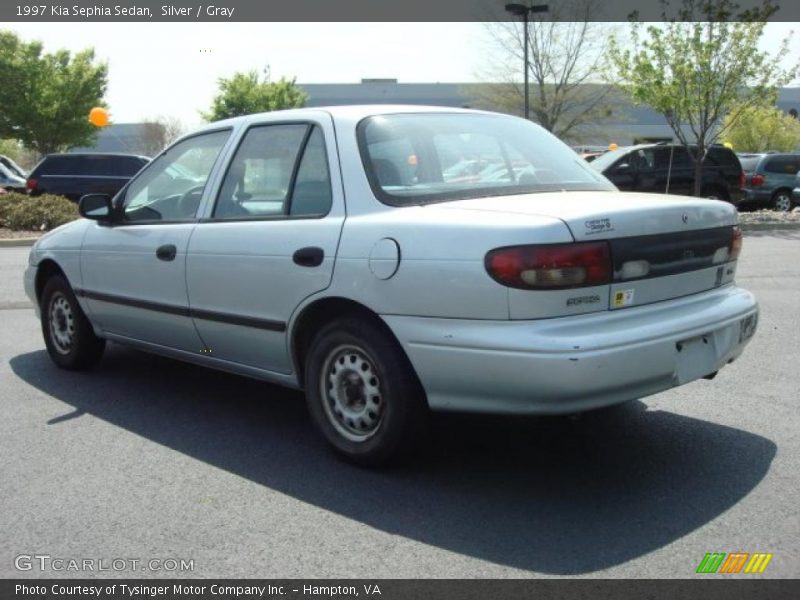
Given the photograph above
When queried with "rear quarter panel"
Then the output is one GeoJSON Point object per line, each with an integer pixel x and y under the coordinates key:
{"type": "Point", "coordinates": [441, 270]}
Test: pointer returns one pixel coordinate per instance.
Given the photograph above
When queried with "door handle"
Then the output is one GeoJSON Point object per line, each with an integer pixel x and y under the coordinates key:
{"type": "Point", "coordinates": [166, 252]}
{"type": "Point", "coordinates": [309, 257]}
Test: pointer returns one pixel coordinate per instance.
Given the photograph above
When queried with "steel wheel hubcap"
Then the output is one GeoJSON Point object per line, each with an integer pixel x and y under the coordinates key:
{"type": "Point", "coordinates": [783, 202]}
{"type": "Point", "coordinates": [350, 389]}
{"type": "Point", "coordinates": [62, 323]}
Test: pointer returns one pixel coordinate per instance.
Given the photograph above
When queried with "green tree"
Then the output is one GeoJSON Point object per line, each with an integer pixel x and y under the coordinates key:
{"type": "Point", "coordinates": [762, 128]}
{"type": "Point", "coordinates": [11, 148]}
{"type": "Point", "coordinates": [45, 99]}
{"type": "Point", "coordinates": [247, 93]}
{"type": "Point", "coordinates": [699, 68]}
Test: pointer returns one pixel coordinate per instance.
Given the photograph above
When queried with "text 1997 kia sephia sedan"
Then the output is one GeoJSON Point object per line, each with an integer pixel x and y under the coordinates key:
{"type": "Point", "coordinates": [395, 260]}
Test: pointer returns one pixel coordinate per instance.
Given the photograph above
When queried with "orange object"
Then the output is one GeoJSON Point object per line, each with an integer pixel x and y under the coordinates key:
{"type": "Point", "coordinates": [98, 116]}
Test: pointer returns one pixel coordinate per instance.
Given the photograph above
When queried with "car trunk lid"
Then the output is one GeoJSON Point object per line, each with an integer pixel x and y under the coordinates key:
{"type": "Point", "coordinates": [661, 247]}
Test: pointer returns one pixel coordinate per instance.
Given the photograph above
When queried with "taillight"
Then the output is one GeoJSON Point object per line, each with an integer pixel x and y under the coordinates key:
{"type": "Point", "coordinates": [31, 184]}
{"type": "Point", "coordinates": [757, 180]}
{"type": "Point", "coordinates": [742, 180]}
{"type": "Point", "coordinates": [552, 266]}
{"type": "Point", "coordinates": [736, 243]}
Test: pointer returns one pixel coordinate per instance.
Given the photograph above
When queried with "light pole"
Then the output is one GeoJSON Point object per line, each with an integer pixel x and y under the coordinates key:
{"type": "Point", "coordinates": [523, 10]}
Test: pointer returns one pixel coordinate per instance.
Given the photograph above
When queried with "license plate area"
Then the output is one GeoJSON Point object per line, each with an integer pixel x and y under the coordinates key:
{"type": "Point", "coordinates": [696, 358]}
{"type": "Point", "coordinates": [747, 327]}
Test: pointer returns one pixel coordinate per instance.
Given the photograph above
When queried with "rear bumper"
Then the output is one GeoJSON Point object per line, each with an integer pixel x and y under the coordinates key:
{"type": "Point", "coordinates": [756, 196]}
{"type": "Point", "coordinates": [576, 363]}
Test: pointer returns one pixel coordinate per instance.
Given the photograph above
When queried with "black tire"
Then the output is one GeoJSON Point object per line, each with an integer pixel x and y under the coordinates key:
{"type": "Point", "coordinates": [376, 412]}
{"type": "Point", "coordinates": [68, 335]}
{"type": "Point", "coordinates": [782, 200]}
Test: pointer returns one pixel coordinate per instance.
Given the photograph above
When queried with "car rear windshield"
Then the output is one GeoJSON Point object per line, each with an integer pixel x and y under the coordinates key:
{"type": "Point", "coordinates": [749, 163]}
{"type": "Point", "coordinates": [422, 158]}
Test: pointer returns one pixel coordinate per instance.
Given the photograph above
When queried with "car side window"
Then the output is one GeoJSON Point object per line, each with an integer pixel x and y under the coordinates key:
{"type": "Point", "coordinates": [643, 159]}
{"type": "Point", "coordinates": [784, 165]}
{"type": "Point", "coordinates": [277, 171]}
{"type": "Point", "coordinates": [171, 187]}
{"type": "Point", "coordinates": [312, 189]}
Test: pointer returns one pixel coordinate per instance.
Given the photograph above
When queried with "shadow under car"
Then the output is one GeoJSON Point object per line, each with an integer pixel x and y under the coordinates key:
{"type": "Point", "coordinates": [548, 494]}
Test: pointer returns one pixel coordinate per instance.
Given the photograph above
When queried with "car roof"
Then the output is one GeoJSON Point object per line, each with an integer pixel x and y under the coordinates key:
{"type": "Point", "coordinates": [348, 111]}
{"type": "Point", "coordinates": [97, 154]}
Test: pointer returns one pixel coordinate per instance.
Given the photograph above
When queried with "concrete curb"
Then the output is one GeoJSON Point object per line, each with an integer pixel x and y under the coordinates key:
{"type": "Point", "coordinates": [17, 242]}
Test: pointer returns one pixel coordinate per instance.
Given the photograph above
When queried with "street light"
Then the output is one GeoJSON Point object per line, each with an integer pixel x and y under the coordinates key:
{"type": "Point", "coordinates": [523, 10]}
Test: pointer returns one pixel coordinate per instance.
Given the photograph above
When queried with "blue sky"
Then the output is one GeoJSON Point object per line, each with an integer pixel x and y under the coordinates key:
{"type": "Point", "coordinates": [171, 69]}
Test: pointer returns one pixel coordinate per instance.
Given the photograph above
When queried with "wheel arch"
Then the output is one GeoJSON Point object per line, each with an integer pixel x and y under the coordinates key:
{"type": "Point", "coordinates": [46, 269]}
{"type": "Point", "coordinates": [316, 315]}
{"type": "Point", "coordinates": [777, 191]}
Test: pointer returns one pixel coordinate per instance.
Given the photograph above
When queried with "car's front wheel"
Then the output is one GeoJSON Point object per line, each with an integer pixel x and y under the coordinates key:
{"type": "Point", "coordinates": [68, 335]}
{"type": "Point", "coordinates": [363, 393]}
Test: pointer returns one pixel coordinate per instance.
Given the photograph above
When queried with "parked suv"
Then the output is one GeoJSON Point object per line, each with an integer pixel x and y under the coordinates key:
{"type": "Point", "coordinates": [668, 168]}
{"type": "Point", "coordinates": [769, 179]}
{"type": "Point", "coordinates": [73, 175]}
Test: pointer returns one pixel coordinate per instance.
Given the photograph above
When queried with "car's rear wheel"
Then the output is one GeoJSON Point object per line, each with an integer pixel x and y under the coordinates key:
{"type": "Point", "coordinates": [363, 393]}
{"type": "Point", "coordinates": [68, 335]}
{"type": "Point", "coordinates": [782, 200]}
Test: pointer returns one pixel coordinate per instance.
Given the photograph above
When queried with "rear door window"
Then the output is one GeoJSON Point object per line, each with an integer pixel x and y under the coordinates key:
{"type": "Point", "coordinates": [783, 165]}
{"type": "Point", "coordinates": [58, 165]}
{"type": "Point", "coordinates": [96, 165]}
{"type": "Point", "coordinates": [278, 171]}
{"type": "Point", "coordinates": [124, 166]}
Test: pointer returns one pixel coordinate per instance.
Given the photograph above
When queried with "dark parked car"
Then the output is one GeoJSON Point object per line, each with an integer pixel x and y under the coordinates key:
{"type": "Point", "coordinates": [668, 168]}
{"type": "Point", "coordinates": [73, 175]}
{"type": "Point", "coordinates": [769, 179]}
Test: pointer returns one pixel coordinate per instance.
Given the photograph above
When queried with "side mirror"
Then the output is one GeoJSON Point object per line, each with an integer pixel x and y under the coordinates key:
{"type": "Point", "coordinates": [96, 207]}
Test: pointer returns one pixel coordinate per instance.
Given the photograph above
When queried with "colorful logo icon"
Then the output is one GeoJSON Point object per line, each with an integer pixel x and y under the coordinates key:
{"type": "Point", "coordinates": [720, 562]}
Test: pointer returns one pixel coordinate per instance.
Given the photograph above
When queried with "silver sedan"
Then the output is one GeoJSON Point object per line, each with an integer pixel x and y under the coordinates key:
{"type": "Point", "coordinates": [396, 260]}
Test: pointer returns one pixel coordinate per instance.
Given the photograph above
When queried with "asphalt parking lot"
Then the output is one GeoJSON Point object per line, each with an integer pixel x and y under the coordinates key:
{"type": "Point", "coordinates": [147, 458]}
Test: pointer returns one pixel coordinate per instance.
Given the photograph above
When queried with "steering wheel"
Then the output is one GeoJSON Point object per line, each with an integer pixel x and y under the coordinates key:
{"type": "Point", "coordinates": [190, 200]}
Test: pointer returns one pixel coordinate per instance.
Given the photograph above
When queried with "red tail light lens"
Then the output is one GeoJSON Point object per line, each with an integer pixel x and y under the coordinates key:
{"type": "Point", "coordinates": [736, 243]}
{"type": "Point", "coordinates": [551, 267]}
{"type": "Point", "coordinates": [742, 179]}
{"type": "Point", "coordinates": [757, 180]}
{"type": "Point", "coordinates": [31, 184]}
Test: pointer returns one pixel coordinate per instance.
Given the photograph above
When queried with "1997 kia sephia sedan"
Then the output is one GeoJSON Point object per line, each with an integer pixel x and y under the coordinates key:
{"type": "Point", "coordinates": [394, 260]}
